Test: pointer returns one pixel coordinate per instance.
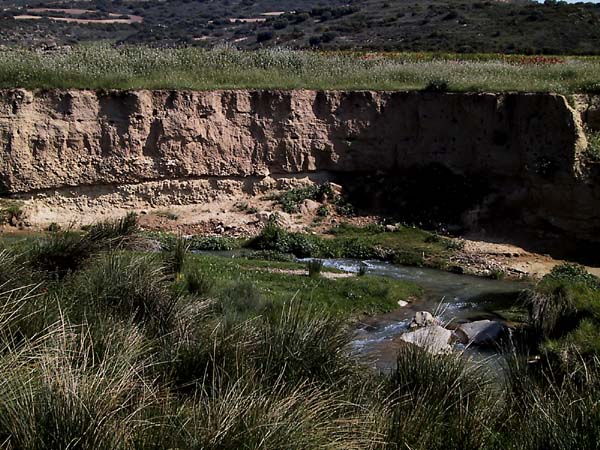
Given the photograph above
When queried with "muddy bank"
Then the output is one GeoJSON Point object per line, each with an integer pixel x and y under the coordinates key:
{"type": "Point", "coordinates": [469, 158]}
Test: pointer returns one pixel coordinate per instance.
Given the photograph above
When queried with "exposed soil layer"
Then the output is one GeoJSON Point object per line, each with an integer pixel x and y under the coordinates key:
{"type": "Point", "coordinates": [464, 161]}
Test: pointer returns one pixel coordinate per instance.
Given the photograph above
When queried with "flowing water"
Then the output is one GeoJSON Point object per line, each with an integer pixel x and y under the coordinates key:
{"type": "Point", "coordinates": [452, 298]}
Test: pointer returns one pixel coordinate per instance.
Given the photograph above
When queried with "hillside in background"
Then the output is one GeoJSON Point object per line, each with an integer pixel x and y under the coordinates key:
{"type": "Point", "coordinates": [428, 25]}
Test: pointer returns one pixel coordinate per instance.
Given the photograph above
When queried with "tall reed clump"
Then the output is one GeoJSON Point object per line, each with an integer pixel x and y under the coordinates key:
{"type": "Point", "coordinates": [440, 402]}
{"type": "Point", "coordinates": [176, 254]}
{"type": "Point", "coordinates": [127, 287]}
{"type": "Point", "coordinates": [64, 252]}
{"type": "Point", "coordinates": [112, 233]}
{"type": "Point", "coordinates": [552, 409]}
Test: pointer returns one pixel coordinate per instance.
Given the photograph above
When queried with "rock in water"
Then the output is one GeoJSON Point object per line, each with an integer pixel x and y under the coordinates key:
{"type": "Point", "coordinates": [481, 332]}
{"type": "Point", "coordinates": [423, 319]}
{"type": "Point", "coordinates": [434, 339]}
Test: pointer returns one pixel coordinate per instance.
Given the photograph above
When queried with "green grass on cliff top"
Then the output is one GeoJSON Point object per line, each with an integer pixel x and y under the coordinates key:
{"type": "Point", "coordinates": [103, 67]}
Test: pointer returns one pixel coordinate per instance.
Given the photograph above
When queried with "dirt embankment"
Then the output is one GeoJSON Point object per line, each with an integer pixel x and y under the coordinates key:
{"type": "Point", "coordinates": [77, 155]}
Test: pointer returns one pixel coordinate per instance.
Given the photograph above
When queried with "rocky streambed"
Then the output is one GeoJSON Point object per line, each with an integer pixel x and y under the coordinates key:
{"type": "Point", "coordinates": [455, 313]}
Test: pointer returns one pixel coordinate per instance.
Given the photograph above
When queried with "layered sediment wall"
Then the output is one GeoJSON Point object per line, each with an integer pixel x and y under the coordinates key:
{"type": "Point", "coordinates": [84, 147]}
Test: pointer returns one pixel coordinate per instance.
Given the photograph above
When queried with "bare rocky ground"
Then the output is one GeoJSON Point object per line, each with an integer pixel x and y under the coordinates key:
{"type": "Point", "coordinates": [479, 256]}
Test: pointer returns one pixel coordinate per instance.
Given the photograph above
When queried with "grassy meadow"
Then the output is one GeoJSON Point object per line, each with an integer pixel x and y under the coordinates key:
{"type": "Point", "coordinates": [104, 67]}
{"type": "Point", "coordinates": [103, 346]}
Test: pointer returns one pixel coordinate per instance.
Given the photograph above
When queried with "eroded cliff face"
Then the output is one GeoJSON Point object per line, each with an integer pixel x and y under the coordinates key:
{"type": "Point", "coordinates": [92, 149]}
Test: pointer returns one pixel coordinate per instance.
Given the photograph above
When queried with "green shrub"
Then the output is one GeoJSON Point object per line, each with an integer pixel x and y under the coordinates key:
{"type": "Point", "coordinates": [290, 200]}
{"type": "Point", "coordinates": [574, 273]}
{"type": "Point", "coordinates": [53, 227]}
{"type": "Point", "coordinates": [10, 213]}
{"type": "Point", "coordinates": [271, 255]}
{"type": "Point", "coordinates": [497, 274]}
{"type": "Point", "coordinates": [167, 215]}
{"type": "Point", "coordinates": [273, 237]}
{"type": "Point", "coordinates": [323, 211]}
{"type": "Point", "coordinates": [436, 85]}
{"type": "Point", "coordinates": [212, 243]}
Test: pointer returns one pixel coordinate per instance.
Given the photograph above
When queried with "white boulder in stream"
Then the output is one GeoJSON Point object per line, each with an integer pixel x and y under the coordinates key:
{"type": "Point", "coordinates": [480, 332]}
{"type": "Point", "coordinates": [434, 339]}
{"type": "Point", "coordinates": [423, 319]}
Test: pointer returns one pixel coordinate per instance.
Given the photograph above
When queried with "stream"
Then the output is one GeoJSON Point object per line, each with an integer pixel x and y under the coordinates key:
{"type": "Point", "coordinates": [452, 298]}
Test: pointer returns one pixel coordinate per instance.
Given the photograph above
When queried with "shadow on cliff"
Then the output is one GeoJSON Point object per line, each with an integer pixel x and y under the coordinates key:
{"type": "Point", "coordinates": [435, 198]}
{"type": "Point", "coordinates": [430, 196]}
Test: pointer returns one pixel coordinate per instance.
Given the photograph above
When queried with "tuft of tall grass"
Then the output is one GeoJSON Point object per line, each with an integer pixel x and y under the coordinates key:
{"type": "Point", "coordinates": [241, 298]}
{"type": "Point", "coordinates": [314, 266]}
{"type": "Point", "coordinates": [564, 312]}
{"type": "Point", "coordinates": [176, 254]}
{"type": "Point", "coordinates": [550, 408]}
{"type": "Point", "coordinates": [112, 233]}
{"type": "Point", "coordinates": [440, 402]}
{"type": "Point", "coordinates": [60, 253]}
{"type": "Point", "coordinates": [63, 252]}
{"type": "Point", "coordinates": [128, 287]}
{"type": "Point", "coordinates": [198, 282]}
{"type": "Point", "coordinates": [302, 345]}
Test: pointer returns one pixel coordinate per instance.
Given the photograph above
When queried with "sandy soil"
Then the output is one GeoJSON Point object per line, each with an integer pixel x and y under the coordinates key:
{"type": "Point", "coordinates": [482, 257]}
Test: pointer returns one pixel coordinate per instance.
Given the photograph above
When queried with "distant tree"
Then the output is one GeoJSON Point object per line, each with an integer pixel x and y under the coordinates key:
{"type": "Point", "coordinates": [328, 36]}
{"type": "Point", "coordinates": [264, 36]}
